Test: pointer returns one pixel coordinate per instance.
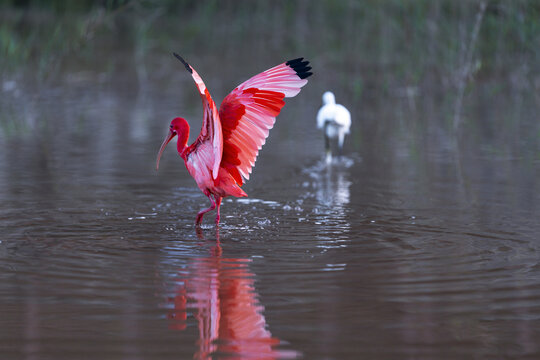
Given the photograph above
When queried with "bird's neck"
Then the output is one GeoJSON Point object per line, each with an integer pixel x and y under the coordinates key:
{"type": "Point", "coordinates": [181, 144]}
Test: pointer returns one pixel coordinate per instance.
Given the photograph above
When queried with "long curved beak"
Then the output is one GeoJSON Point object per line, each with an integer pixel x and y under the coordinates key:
{"type": "Point", "coordinates": [168, 138]}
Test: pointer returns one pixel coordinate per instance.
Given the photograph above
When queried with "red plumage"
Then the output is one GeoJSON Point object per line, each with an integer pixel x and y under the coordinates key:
{"type": "Point", "coordinates": [224, 153]}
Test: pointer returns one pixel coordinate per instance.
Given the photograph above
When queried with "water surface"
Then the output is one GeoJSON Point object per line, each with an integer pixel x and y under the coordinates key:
{"type": "Point", "coordinates": [416, 244]}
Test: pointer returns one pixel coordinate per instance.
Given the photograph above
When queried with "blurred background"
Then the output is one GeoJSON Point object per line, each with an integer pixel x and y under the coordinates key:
{"type": "Point", "coordinates": [451, 56]}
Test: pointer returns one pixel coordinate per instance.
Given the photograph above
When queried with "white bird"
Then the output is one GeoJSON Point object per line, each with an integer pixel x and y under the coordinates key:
{"type": "Point", "coordinates": [335, 120]}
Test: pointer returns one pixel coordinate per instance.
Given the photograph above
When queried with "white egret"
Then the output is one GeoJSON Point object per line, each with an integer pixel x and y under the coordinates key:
{"type": "Point", "coordinates": [335, 120]}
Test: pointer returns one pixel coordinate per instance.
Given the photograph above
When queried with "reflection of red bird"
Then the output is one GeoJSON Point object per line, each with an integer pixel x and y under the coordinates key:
{"type": "Point", "coordinates": [221, 293]}
{"type": "Point", "coordinates": [224, 153]}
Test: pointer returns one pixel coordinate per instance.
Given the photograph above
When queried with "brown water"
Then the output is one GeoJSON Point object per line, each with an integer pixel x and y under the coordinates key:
{"type": "Point", "coordinates": [418, 244]}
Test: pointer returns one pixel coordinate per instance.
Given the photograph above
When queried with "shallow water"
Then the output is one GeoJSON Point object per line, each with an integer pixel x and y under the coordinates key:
{"type": "Point", "coordinates": [414, 245]}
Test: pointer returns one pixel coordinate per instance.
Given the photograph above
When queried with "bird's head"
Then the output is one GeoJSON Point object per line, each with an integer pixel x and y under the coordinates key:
{"type": "Point", "coordinates": [179, 126]}
{"type": "Point", "coordinates": [328, 98]}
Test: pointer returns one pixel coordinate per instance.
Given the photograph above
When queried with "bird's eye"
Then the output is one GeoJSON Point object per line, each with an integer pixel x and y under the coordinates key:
{"type": "Point", "coordinates": [171, 126]}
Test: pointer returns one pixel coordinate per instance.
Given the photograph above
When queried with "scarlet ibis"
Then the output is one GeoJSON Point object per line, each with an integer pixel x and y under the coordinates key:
{"type": "Point", "coordinates": [335, 120]}
{"type": "Point", "coordinates": [224, 153]}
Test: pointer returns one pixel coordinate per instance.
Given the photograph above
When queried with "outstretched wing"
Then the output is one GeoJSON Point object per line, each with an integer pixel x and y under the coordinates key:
{"type": "Point", "coordinates": [211, 137]}
{"type": "Point", "coordinates": [249, 112]}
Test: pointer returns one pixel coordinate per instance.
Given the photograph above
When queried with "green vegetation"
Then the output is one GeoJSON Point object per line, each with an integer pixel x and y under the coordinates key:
{"type": "Point", "coordinates": [413, 39]}
{"type": "Point", "coordinates": [372, 49]}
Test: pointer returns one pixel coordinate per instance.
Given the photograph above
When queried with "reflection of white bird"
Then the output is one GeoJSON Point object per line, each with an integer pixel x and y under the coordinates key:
{"type": "Point", "coordinates": [335, 120]}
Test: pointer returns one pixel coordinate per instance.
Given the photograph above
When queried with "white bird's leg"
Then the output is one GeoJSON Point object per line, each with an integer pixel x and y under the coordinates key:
{"type": "Point", "coordinates": [328, 157]}
{"type": "Point", "coordinates": [327, 148]}
{"type": "Point", "coordinates": [218, 204]}
{"type": "Point", "coordinates": [202, 212]}
{"type": "Point", "coordinates": [340, 142]}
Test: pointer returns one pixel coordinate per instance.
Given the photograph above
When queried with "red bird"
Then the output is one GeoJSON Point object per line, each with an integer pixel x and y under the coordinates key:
{"type": "Point", "coordinates": [221, 158]}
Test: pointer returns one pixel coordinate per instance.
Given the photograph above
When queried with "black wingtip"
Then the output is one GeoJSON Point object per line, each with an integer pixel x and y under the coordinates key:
{"type": "Point", "coordinates": [300, 66]}
{"type": "Point", "coordinates": [188, 68]}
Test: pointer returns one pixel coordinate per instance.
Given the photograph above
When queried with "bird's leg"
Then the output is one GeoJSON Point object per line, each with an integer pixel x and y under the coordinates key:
{"type": "Point", "coordinates": [202, 212]}
{"type": "Point", "coordinates": [218, 204]}
{"type": "Point", "coordinates": [340, 143]}
{"type": "Point", "coordinates": [327, 148]}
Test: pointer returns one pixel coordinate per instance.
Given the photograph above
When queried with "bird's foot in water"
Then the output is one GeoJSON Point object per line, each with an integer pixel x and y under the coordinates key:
{"type": "Point", "coordinates": [328, 158]}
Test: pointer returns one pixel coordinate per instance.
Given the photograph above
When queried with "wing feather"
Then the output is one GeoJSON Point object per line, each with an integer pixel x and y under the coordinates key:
{"type": "Point", "coordinates": [250, 110]}
{"type": "Point", "coordinates": [211, 131]}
